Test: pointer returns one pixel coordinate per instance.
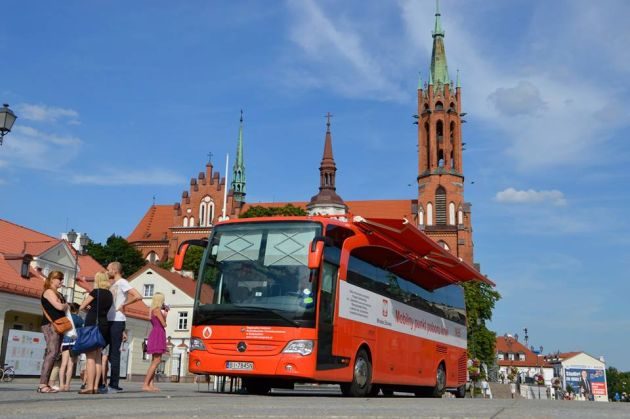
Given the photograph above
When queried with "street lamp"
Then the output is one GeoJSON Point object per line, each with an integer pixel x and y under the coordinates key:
{"type": "Point", "coordinates": [7, 118]}
{"type": "Point", "coordinates": [84, 240]}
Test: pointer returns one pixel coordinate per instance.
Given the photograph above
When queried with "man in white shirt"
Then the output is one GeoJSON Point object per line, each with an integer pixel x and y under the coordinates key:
{"type": "Point", "coordinates": [124, 294]}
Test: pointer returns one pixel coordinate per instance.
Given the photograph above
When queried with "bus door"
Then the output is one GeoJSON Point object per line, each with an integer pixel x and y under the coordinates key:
{"type": "Point", "coordinates": [328, 289]}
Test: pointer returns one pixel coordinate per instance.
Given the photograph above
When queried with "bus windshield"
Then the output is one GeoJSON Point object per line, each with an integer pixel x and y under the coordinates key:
{"type": "Point", "coordinates": [257, 274]}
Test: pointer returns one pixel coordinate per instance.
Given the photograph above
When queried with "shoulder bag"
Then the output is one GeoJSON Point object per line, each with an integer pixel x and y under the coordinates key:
{"type": "Point", "coordinates": [61, 325]}
{"type": "Point", "coordinates": [89, 337]}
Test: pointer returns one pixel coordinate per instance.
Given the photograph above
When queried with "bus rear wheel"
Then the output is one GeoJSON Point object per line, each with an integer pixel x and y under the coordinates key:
{"type": "Point", "coordinates": [256, 386]}
{"type": "Point", "coordinates": [361, 385]}
{"type": "Point", "coordinates": [440, 385]}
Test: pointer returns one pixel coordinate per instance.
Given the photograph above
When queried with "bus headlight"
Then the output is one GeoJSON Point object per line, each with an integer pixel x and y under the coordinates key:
{"type": "Point", "coordinates": [197, 344]}
{"type": "Point", "coordinates": [302, 347]}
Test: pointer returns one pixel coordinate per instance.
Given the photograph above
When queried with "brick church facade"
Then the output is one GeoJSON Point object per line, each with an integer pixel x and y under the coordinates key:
{"type": "Point", "coordinates": [440, 209]}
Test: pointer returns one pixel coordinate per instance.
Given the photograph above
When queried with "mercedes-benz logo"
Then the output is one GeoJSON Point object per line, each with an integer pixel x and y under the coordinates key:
{"type": "Point", "coordinates": [241, 347]}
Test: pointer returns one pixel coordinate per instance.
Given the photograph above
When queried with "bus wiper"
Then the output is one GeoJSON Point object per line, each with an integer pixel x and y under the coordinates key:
{"type": "Point", "coordinates": [270, 310]}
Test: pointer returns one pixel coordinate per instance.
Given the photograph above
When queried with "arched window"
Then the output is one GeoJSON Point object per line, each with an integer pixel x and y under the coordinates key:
{"type": "Point", "coordinates": [452, 106]}
{"type": "Point", "coordinates": [191, 222]}
{"type": "Point", "coordinates": [451, 214]}
{"type": "Point", "coordinates": [444, 245]}
{"type": "Point", "coordinates": [420, 216]}
{"type": "Point", "coordinates": [429, 214]}
{"type": "Point", "coordinates": [439, 106]}
{"type": "Point", "coordinates": [210, 213]}
{"type": "Point", "coordinates": [202, 214]}
{"type": "Point", "coordinates": [152, 257]}
{"type": "Point", "coordinates": [440, 157]}
{"type": "Point", "coordinates": [440, 206]}
{"type": "Point", "coordinates": [185, 221]}
{"type": "Point", "coordinates": [460, 217]}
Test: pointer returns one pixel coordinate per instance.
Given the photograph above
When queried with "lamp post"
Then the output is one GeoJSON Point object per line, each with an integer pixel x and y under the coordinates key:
{"type": "Point", "coordinates": [84, 240]}
{"type": "Point", "coordinates": [7, 118]}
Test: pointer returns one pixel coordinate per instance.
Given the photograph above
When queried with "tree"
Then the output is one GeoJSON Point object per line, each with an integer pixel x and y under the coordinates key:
{"type": "Point", "coordinates": [260, 211]}
{"type": "Point", "coordinates": [480, 301]}
{"type": "Point", "coordinates": [617, 381]}
{"type": "Point", "coordinates": [117, 249]}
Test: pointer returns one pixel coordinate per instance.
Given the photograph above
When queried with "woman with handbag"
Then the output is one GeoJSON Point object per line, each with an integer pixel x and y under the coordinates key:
{"type": "Point", "coordinates": [99, 300]}
{"type": "Point", "coordinates": [54, 309]}
{"type": "Point", "coordinates": [156, 342]}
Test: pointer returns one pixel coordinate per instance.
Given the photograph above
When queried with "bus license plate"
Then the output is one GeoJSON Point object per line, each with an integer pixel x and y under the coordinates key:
{"type": "Point", "coordinates": [237, 365]}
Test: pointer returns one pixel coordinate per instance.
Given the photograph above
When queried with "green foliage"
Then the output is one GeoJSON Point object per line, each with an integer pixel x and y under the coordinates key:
{"type": "Point", "coordinates": [617, 381]}
{"type": "Point", "coordinates": [480, 301]}
{"type": "Point", "coordinates": [117, 249]}
{"type": "Point", "coordinates": [260, 211]}
{"type": "Point", "coordinates": [192, 260]}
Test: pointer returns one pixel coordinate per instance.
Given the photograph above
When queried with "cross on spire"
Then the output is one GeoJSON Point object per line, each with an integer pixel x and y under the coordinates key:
{"type": "Point", "coordinates": [210, 157]}
{"type": "Point", "coordinates": [328, 116]}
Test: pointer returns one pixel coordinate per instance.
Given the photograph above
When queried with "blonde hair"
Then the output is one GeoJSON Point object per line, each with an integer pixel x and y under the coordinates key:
{"type": "Point", "coordinates": [101, 280]}
{"type": "Point", "coordinates": [49, 279]}
{"type": "Point", "coordinates": [157, 301]}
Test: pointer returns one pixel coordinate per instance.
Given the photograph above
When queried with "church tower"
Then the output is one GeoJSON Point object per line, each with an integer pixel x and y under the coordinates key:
{"type": "Point", "coordinates": [327, 202]}
{"type": "Point", "coordinates": [238, 170]}
{"type": "Point", "coordinates": [442, 212]}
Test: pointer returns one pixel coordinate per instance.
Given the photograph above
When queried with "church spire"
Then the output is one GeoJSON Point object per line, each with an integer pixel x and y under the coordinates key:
{"type": "Point", "coordinates": [238, 170]}
{"type": "Point", "coordinates": [439, 69]}
{"type": "Point", "coordinates": [327, 201]}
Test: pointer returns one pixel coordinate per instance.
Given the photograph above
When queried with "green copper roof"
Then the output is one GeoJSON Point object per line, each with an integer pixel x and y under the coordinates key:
{"type": "Point", "coordinates": [459, 84]}
{"type": "Point", "coordinates": [439, 69]}
{"type": "Point", "coordinates": [420, 87]}
{"type": "Point", "coordinates": [238, 170]}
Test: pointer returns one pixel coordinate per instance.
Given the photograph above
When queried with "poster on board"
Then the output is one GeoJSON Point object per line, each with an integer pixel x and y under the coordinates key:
{"type": "Point", "coordinates": [589, 383]}
{"type": "Point", "coordinates": [25, 351]}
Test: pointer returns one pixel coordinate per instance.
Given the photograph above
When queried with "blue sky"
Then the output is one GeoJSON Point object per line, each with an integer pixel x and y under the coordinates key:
{"type": "Point", "coordinates": [120, 101]}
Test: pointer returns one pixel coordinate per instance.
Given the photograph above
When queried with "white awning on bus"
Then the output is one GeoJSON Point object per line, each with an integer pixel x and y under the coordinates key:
{"type": "Point", "coordinates": [440, 267]}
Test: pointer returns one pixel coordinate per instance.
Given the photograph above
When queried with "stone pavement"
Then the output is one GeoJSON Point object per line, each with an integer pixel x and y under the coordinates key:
{"type": "Point", "coordinates": [19, 400]}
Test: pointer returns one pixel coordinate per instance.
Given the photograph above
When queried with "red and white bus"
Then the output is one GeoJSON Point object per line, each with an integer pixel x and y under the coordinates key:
{"type": "Point", "coordinates": [368, 304]}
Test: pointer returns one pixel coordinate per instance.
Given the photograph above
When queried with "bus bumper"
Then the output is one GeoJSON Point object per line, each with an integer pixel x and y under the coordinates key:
{"type": "Point", "coordinates": [281, 366]}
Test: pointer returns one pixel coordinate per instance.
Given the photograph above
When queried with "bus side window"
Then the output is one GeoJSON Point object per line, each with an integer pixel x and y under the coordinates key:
{"type": "Point", "coordinates": [328, 276]}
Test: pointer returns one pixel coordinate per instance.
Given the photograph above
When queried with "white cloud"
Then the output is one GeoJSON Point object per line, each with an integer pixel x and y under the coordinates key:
{"type": "Point", "coordinates": [35, 149]}
{"type": "Point", "coordinates": [43, 113]}
{"type": "Point", "coordinates": [337, 55]}
{"type": "Point", "coordinates": [522, 99]}
{"type": "Point", "coordinates": [130, 177]}
{"type": "Point", "coordinates": [530, 196]}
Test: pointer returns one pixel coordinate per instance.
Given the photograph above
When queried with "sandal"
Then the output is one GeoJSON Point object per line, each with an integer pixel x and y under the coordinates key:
{"type": "Point", "coordinates": [87, 391]}
{"type": "Point", "coordinates": [46, 389]}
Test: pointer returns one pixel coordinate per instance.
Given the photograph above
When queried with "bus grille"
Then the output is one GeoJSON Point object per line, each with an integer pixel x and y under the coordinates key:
{"type": "Point", "coordinates": [461, 367]}
{"type": "Point", "coordinates": [228, 347]}
{"type": "Point", "coordinates": [441, 349]}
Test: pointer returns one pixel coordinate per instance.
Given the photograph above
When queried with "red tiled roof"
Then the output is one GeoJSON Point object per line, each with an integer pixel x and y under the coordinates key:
{"type": "Point", "coordinates": [154, 225]}
{"type": "Point", "coordinates": [19, 240]}
{"type": "Point", "coordinates": [12, 282]}
{"type": "Point", "coordinates": [516, 347]}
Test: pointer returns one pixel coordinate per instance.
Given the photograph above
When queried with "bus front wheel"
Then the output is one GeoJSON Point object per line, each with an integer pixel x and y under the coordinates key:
{"type": "Point", "coordinates": [361, 384]}
{"type": "Point", "coordinates": [256, 386]}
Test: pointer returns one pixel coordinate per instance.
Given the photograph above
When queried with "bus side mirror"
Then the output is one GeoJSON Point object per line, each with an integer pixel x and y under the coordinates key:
{"type": "Point", "coordinates": [178, 262]}
{"type": "Point", "coordinates": [315, 253]}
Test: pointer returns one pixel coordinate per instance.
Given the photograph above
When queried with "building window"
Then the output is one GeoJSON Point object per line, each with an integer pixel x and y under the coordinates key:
{"type": "Point", "coordinates": [429, 214]}
{"type": "Point", "coordinates": [511, 356]}
{"type": "Point", "coordinates": [148, 290]}
{"type": "Point", "coordinates": [500, 356]}
{"type": "Point", "coordinates": [521, 357]}
{"type": "Point", "coordinates": [460, 217]}
{"type": "Point", "coordinates": [152, 257]}
{"type": "Point", "coordinates": [440, 206]}
{"type": "Point", "coordinates": [210, 213]}
{"type": "Point", "coordinates": [182, 323]}
{"type": "Point", "coordinates": [185, 221]}
{"type": "Point", "coordinates": [451, 214]}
